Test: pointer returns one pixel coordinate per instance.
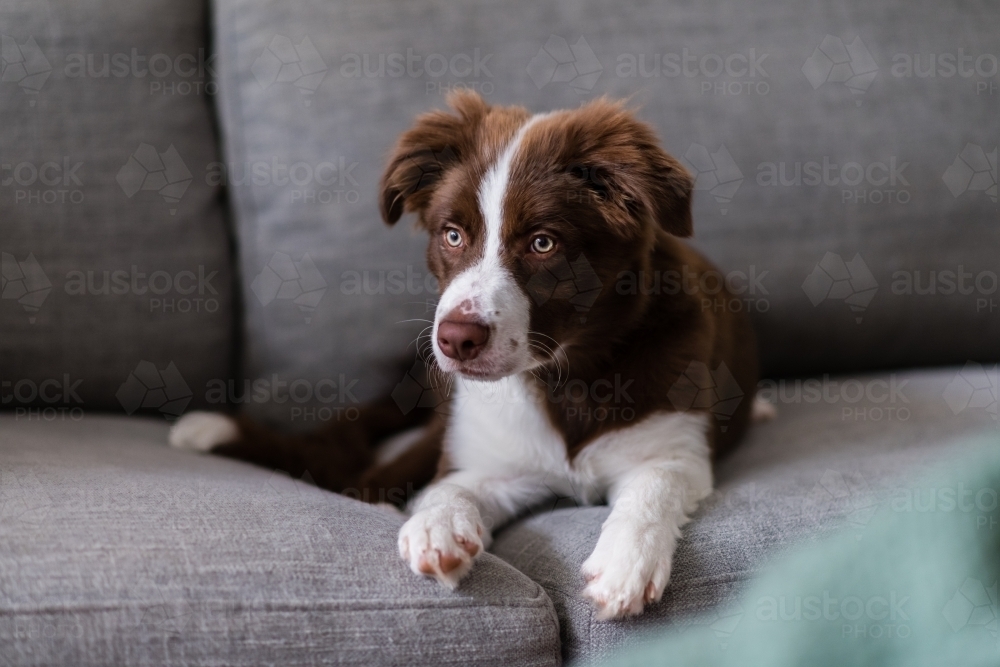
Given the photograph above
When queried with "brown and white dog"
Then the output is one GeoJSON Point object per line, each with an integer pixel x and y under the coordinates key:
{"type": "Point", "coordinates": [605, 401]}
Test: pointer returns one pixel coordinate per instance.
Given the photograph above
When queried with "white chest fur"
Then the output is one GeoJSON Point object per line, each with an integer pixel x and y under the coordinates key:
{"type": "Point", "coordinates": [501, 429]}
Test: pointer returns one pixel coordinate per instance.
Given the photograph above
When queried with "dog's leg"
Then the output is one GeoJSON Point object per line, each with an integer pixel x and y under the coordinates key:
{"type": "Point", "coordinates": [453, 517]}
{"type": "Point", "coordinates": [397, 481]}
{"type": "Point", "coordinates": [651, 501]}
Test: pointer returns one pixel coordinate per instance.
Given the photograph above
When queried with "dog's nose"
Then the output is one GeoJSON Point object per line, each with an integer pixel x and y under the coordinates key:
{"type": "Point", "coordinates": [462, 337]}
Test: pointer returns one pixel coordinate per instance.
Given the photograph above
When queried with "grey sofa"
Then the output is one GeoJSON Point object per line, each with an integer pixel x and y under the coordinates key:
{"type": "Point", "coordinates": [187, 210]}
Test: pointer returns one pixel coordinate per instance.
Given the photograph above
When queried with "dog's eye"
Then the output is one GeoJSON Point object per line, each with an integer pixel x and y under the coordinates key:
{"type": "Point", "coordinates": [543, 244]}
{"type": "Point", "coordinates": [453, 237]}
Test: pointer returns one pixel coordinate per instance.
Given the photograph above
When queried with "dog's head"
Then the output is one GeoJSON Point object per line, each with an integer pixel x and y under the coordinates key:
{"type": "Point", "coordinates": [531, 220]}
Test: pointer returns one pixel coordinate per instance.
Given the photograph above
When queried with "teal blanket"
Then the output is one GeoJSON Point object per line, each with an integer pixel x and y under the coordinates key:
{"type": "Point", "coordinates": [917, 587]}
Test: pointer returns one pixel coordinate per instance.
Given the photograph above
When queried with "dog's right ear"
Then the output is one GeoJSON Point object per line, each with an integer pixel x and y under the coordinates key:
{"type": "Point", "coordinates": [423, 153]}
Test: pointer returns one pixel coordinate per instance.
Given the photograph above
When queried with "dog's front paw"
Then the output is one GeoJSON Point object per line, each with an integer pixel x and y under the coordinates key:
{"type": "Point", "coordinates": [441, 542]}
{"type": "Point", "coordinates": [629, 568]}
{"type": "Point", "coordinates": [201, 431]}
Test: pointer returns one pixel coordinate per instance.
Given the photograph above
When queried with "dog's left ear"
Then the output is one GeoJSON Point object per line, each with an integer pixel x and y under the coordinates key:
{"type": "Point", "coordinates": [620, 158]}
{"type": "Point", "coordinates": [423, 153]}
{"type": "Point", "coordinates": [669, 186]}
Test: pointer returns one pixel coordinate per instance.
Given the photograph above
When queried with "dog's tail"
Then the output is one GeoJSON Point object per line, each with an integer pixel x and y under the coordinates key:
{"type": "Point", "coordinates": [335, 457]}
{"type": "Point", "coordinates": [762, 410]}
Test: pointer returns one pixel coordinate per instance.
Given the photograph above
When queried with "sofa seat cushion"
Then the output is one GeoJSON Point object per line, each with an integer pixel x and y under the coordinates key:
{"type": "Point", "coordinates": [116, 549]}
{"type": "Point", "coordinates": [818, 467]}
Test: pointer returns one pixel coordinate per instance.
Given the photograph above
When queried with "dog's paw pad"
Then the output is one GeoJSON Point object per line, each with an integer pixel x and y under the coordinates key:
{"type": "Point", "coordinates": [441, 543]}
{"type": "Point", "coordinates": [201, 431]}
{"type": "Point", "coordinates": [621, 581]}
{"type": "Point", "coordinates": [617, 595]}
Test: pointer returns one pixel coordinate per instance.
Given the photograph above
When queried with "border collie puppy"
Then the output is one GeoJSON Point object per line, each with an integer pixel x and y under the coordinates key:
{"type": "Point", "coordinates": [585, 350]}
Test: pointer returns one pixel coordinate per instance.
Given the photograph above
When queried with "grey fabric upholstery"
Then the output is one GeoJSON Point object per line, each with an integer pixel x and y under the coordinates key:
{"type": "Point", "coordinates": [116, 550]}
{"type": "Point", "coordinates": [341, 100]}
{"type": "Point", "coordinates": [115, 249]}
{"type": "Point", "coordinates": [813, 469]}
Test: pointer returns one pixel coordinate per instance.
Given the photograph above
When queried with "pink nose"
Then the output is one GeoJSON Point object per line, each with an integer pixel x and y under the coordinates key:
{"type": "Point", "coordinates": [462, 337]}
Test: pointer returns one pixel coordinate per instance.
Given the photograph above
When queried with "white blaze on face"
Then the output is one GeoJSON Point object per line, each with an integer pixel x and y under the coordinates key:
{"type": "Point", "coordinates": [487, 289]}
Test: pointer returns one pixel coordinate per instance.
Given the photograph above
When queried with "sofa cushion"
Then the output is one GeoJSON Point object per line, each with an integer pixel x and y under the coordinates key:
{"type": "Point", "coordinates": [115, 249]}
{"type": "Point", "coordinates": [115, 549]}
{"type": "Point", "coordinates": [837, 277]}
{"type": "Point", "coordinates": [822, 464]}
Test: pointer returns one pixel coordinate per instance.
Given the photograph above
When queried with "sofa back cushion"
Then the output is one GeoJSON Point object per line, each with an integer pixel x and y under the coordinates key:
{"type": "Point", "coordinates": [116, 261]}
{"type": "Point", "coordinates": [849, 197]}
